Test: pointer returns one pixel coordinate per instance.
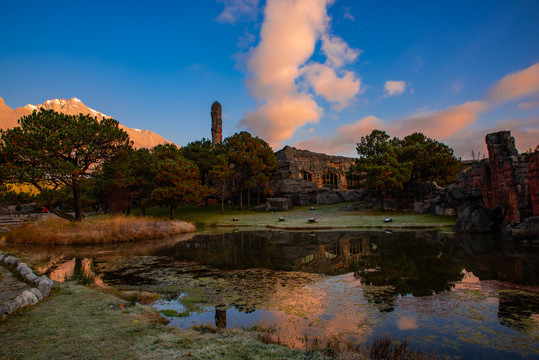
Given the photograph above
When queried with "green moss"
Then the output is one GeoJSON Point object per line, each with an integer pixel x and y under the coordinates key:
{"type": "Point", "coordinates": [169, 312]}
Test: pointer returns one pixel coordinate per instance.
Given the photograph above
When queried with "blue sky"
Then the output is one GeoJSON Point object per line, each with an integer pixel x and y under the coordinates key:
{"type": "Point", "coordinates": [316, 74]}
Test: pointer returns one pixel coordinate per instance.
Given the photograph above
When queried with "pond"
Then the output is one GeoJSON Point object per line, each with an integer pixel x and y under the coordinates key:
{"type": "Point", "coordinates": [444, 293]}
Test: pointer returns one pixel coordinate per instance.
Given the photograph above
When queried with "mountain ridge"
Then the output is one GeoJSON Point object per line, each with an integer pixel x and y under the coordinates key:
{"type": "Point", "coordinates": [74, 106]}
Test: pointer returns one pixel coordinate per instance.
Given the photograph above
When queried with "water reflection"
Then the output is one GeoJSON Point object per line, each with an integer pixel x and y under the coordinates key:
{"type": "Point", "coordinates": [445, 293]}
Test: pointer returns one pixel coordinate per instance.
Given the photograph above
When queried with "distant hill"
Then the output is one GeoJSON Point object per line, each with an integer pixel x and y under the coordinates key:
{"type": "Point", "coordinates": [9, 117]}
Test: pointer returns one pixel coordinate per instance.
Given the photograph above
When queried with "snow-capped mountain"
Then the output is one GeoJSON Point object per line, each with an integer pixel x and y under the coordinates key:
{"type": "Point", "coordinates": [9, 117]}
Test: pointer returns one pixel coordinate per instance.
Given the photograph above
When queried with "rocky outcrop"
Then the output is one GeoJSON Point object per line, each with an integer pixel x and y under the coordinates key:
{"type": "Point", "coordinates": [507, 185]}
{"type": "Point", "coordinates": [533, 181]}
{"type": "Point", "coordinates": [300, 192]}
{"type": "Point", "coordinates": [328, 197]}
{"type": "Point", "coordinates": [504, 178]}
{"type": "Point", "coordinates": [476, 219]}
{"type": "Point", "coordinates": [27, 297]}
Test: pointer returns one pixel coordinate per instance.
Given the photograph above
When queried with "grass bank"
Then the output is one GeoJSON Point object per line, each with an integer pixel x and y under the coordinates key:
{"type": "Point", "coordinates": [96, 230]}
{"type": "Point", "coordinates": [82, 323]}
{"type": "Point", "coordinates": [78, 322]}
{"type": "Point", "coordinates": [326, 217]}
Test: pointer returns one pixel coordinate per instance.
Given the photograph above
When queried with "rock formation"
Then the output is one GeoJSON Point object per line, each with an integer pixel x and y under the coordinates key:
{"type": "Point", "coordinates": [506, 184]}
{"type": "Point", "coordinates": [9, 118]}
{"type": "Point", "coordinates": [216, 123]}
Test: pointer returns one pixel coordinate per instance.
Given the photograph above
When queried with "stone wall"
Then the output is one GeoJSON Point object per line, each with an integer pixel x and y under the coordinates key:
{"type": "Point", "coordinates": [321, 169]}
{"type": "Point", "coordinates": [42, 289]}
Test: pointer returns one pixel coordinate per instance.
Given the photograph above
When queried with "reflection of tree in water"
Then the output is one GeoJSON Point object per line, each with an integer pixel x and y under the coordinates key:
{"type": "Point", "coordinates": [414, 267]}
{"type": "Point", "coordinates": [516, 308]}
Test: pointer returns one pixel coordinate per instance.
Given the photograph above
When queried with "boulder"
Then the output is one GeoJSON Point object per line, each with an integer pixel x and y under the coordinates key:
{"type": "Point", "coordinates": [42, 278]}
{"type": "Point", "coordinates": [278, 204]}
{"type": "Point", "coordinates": [475, 219]}
{"type": "Point", "coordinates": [37, 293]}
{"type": "Point", "coordinates": [26, 298]}
{"type": "Point", "coordinates": [31, 277]}
{"type": "Point", "coordinates": [25, 270]}
{"type": "Point", "coordinates": [2, 256]}
{"type": "Point", "coordinates": [327, 197]}
{"type": "Point", "coordinates": [10, 260]}
{"type": "Point", "coordinates": [352, 195]}
{"type": "Point", "coordinates": [8, 308]}
{"type": "Point", "coordinates": [44, 288]}
{"type": "Point", "coordinates": [20, 266]}
{"type": "Point", "coordinates": [528, 230]}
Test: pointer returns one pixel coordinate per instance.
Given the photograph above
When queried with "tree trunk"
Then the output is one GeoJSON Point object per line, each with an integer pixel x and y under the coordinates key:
{"type": "Point", "coordinates": [381, 202]}
{"type": "Point", "coordinates": [258, 196]}
{"type": "Point", "coordinates": [249, 198]}
{"type": "Point", "coordinates": [172, 208]}
{"type": "Point", "coordinates": [143, 210]}
{"type": "Point", "coordinates": [223, 199]}
{"type": "Point", "coordinates": [241, 199]}
{"type": "Point", "coordinates": [77, 200]}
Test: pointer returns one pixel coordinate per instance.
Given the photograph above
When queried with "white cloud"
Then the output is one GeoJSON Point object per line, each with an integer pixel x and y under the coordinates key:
{"type": "Point", "coordinates": [516, 85]}
{"type": "Point", "coordinates": [238, 9]}
{"type": "Point", "coordinates": [528, 105]}
{"type": "Point", "coordinates": [288, 38]}
{"type": "Point", "coordinates": [347, 14]}
{"type": "Point", "coordinates": [457, 87]}
{"type": "Point", "coordinates": [394, 87]}
{"type": "Point", "coordinates": [337, 51]}
{"type": "Point", "coordinates": [325, 82]}
{"type": "Point", "coordinates": [439, 125]}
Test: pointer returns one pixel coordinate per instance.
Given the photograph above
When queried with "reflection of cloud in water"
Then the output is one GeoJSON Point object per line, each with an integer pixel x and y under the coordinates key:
{"type": "Point", "coordinates": [407, 323]}
{"type": "Point", "coordinates": [320, 311]}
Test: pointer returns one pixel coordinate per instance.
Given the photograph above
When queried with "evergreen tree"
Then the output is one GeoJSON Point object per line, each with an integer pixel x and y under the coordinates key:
{"type": "Point", "coordinates": [51, 150]}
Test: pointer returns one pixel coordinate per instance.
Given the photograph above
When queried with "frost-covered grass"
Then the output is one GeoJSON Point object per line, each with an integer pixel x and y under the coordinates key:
{"type": "Point", "coordinates": [96, 230]}
{"type": "Point", "coordinates": [77, 322]}
{"type": "Point", "coordinates": [327, 216]}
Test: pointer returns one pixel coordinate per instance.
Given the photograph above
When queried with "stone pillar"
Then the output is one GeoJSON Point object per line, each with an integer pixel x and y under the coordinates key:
{"type": "Point", "coordinates": [216, 123]}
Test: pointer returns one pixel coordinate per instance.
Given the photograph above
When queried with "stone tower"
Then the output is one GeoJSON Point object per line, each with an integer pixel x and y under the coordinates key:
{"type": "Point", "coordinates": [216, 123]}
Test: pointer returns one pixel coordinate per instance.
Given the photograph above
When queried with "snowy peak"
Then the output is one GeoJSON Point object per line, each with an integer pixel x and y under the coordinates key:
{"type": "Point", "coordinates": [9, 119]}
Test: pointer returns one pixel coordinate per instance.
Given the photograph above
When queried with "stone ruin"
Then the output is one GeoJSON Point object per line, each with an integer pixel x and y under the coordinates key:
{"type": "Point", "coordinates": [304, 176]}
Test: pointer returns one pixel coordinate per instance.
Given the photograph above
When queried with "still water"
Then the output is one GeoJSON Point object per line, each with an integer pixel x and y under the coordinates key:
{"type": "Point", "coordinates": [446, 294]}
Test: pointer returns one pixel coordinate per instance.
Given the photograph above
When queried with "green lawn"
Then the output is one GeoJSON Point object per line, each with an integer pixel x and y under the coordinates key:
{"type": "Point", "coordinates": [327, 216]}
